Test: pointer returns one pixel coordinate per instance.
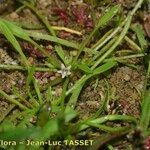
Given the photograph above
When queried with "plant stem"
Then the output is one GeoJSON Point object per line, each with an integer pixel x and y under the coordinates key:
{"type": "Point", "coordinates": [133, 44]}
{"type": "Point", "coordinates": [118, 41]}
{"type": "Point", "coordinates": [9, 109]}
{"type": "Point", "coordinates": [107, 34]}
{"type": "Point", "coordinates": [127, 23]}
{"type": "Point", "coordinates": [109, 129]}
{"type": "Point", "coordinates": [138, 5]}
{"type": "Point", "coordinates": [67, 30]}
{"type": "Point", "coordinates": [108, 38]}
{"type": "Point", "coordinates": [104, 49]}
{"type": "Point", "coordinates": [104, 119]}
{"type": "Point", "coordinates": [13, 101]}
{"type": "Point", "coordinates": [102, 21]}
{"type": "Point", "coordinates": [15, 67]}
{"type": "Point", "coordinates": [124, 57]}
{"type": "Point", "coordinates": [45, 22]}
{"type": "Point", "coordinates": [41, 36]}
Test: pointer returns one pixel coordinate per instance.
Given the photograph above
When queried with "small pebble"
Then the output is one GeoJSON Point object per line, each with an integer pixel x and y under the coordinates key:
{"type": "Point", "coordinates": [52, 78]}
{"type": "Point", "coordinates": [127, 77]}
{"type": "Point", "coordinates": [14, 15]}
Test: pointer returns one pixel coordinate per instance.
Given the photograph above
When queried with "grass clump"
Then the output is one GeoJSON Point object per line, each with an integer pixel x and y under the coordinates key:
{"type": "Point", "coordinates": [42, 116]}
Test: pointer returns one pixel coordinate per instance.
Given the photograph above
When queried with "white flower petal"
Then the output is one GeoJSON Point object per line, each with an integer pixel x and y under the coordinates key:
{"type": "Point", "coordinates": [65, 71]}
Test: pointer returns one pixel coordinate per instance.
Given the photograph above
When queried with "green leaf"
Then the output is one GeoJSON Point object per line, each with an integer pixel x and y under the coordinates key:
{"type": "Point", "coordinates": [116, 43]}
{"type": "Point", "coordinates": [104, 67]}
{"type": "Point", "coordinates": [49, 94]}
{"type": "Point", "coordinates": [57, 40]}
{"type": "Point", "coordinates": [85, 68]}
{"type": "Point", "coordinates": [16, 30]}
{"type": "Point", "coordinates": [63, 94]}
{"type": "Point", "coordinates": [138, 29]}
{"type": "Point", "coordinates": [70, 114]}
{"type": "Point", "coordinates": [74, 97]}
{"type": "Point", "coordinates": [10, 37]}
{"type": "Point", "coordinates": [50, 129]}
{"type": "Point", "coordinates": [37, 89]}
{"type": "Point", "coordinates": [20, 33]}
{"type": "Point", "coordinates": [145, 115]}
{"type": "Point", "coordinates": [76, 89]}
{"type": "Point", "coordinates": [106, 118]}
{"type": "Point", "coordinates": [102, 21]}
{"type": "Point", "coordinates": [44, 114]}
{"type": "Point", "coordinates": [108, 15]}
{"type": "Point", "coordinates": [12, 100]}
{"type": "Point", "coordinates": [98, 70]}
{"type": "Point", "coordinates": [31, 79]}
{"type": "Point", "coordinates": [30, 74]}
{"type": "Point", "coordinates": [17, 134]}
{"type": "Point", "coordinates": [60, 53]}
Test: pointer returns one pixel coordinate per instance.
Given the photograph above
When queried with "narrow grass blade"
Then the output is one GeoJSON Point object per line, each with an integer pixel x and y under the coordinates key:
{"type": "Point", "coordinates": [37, 89]}
{"type": "Point", "coordinates": [113, 118]}
{"type": "Point", "coordinates": [76, 89]}
{"type": "Point", "coordinates": [140, 35]}
{"type": "Point", "coordinates": [124, 57]}
{"type": "Point", "coordinates": [17, 134]}
{"type": "Point", "coordinates": [104, 49]}
{"type": "Point", "coordinates": [13, 101]}
{"type": "Point", "coordinates": [145, 115]}
{"type": "Point", "coordinates": [49, 94]}
{"type": "Point", "coordinates": [19, 32]}
{"type": "Point", "coordinates": [118, 41]}
{"type": "Point", "coordinates": [44, 21]}
{"type": "Point", "coordinates": [28, 88]}
{"type": "Point", "coordinates": [10, 37]}
{"type": "Point", "coordinates": [104, 119]}
{"type": "Point", "coordinates": [108, 128]}
{"type": "Point", "coordinates": [74, 97]}
{"type": "Point", "coordinates": [85, 68]}
{"type": "Point", "coordinates": [41, 36]}
{"type": "Point", "coordinates": [50, 129]}
{"type": "Point", "coordinates": [102, 21]}
{"type": "Point", "coordinates": [108, 36]}
{"type": "Point", "coordinates": [21, 68]}
{"type": "Point", "coordinates": [104, 101]}
{"type": "Point", "coordinates": [102, 39]}
{"type": "Point", "coordinates": [21, 98]}
{"type": "Point", "coordinates": [108, 16]}
{"type": "Point", "coordinates": [63, 95]}
{"type": "Point", "coordinates": [30, 75]}
{"type": "Point", "coordinates": [31, 79]}
{"type": "Point", "coordinates": [104, 67]}
{"type": "Point", "coordinates": [132, 44]}
{"type": "Point", "coordinates": [61, 54]}
{"type": "Point", "coordinates": [16, 30]}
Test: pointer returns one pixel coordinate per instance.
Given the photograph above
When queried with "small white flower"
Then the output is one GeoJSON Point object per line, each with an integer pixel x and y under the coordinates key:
{"type": "Point", "coordinates": [65, 71]}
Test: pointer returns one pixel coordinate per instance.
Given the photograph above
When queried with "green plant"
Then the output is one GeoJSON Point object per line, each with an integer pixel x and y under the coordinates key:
{"type": "Point", "coordinates": [56, 116]}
